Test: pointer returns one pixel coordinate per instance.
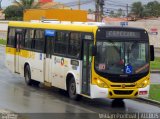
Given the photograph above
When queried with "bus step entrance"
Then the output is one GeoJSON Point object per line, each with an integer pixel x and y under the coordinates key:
{"type": "Point", "coordinates": [86, 88]}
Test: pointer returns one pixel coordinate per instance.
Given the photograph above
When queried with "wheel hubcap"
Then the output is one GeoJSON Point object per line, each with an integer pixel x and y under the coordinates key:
{"type": "Point", "coordinates": [27, 77]}
{"type": "Point", "coordinates": [72, 88]}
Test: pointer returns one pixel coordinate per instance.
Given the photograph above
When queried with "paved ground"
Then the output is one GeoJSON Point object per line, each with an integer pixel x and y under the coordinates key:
{"type": "Point", "coordinates": [16, 96]}
{"type": "Point", "coordinates": [157, 52]}
{"type": "Point", "coordinates": [155, 78]}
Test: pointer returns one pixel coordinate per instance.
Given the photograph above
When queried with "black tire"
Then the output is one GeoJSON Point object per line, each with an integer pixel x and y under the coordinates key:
{"type": "Point", "coordinates": [72, 90]}
{"type": "Point", "coordinates": [118, 103]}
{"type": "Point", "coordinates": [27, 75]}
{"type": "Point", "coordinates": [118, 99]}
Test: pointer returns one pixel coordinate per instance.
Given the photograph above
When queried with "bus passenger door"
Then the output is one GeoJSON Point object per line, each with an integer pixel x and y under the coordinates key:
{"type": "Point", "coordinates": [48, 59]}
{"type": "Point", "coordinates": [18, 37]}
{"type": "Point", "coordinates": [86, 70]}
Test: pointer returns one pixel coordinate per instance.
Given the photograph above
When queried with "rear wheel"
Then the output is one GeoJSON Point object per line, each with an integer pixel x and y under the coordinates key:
{"type": "Point", "coordinates": [72, 90]}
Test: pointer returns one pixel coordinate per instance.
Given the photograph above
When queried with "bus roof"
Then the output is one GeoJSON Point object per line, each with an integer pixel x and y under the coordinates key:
{"type": "Point", "coordinates": [65, 25]}
{"type": "Point", "coordinates": [60, 26]}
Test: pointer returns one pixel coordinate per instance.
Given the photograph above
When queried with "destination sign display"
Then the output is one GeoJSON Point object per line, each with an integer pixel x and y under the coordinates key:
{"type": "Point", "coordinates": [121, 33]}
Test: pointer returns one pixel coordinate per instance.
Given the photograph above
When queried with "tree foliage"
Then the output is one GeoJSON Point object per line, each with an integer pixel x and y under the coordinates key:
{"type": "Point", "coordinates": [15, 12]}
{"type": "Point", "coordinates": [137, 9]}
{"type": "Point", "coordinates": [118, 13]}
{"type": "Point", "coordinates": [151, 9]}
{"type": "Point", "coordinates": [27, 4]}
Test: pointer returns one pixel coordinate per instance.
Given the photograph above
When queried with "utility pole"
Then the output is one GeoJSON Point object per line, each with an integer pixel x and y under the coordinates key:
{"type": "Point", "coordinates": [96, 10]}
{"type": "Point", "coordinates": [127, 11]}
{"type": "Point", "coordinates": [99, 10]}
{"type": "Point", "coordinates": [79, 4]}
{"type": "Point", "coordinates": [0, 4]}
{"type": "Point", "coordinates": [101, 4]}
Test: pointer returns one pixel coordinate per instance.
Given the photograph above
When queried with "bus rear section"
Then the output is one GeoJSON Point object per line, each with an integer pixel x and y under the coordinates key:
{"type": "Point", "coordinates": [120, 68]}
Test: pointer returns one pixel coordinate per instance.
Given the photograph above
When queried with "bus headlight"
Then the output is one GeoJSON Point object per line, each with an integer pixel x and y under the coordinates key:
{"type": "Point", "coordinates": [143, 83]}
{"type": "Point", "coordinates": [101, 83]}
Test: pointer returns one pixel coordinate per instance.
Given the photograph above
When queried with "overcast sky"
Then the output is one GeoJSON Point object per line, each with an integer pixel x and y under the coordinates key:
{"type": "Point", "coordinates": [91, 5]}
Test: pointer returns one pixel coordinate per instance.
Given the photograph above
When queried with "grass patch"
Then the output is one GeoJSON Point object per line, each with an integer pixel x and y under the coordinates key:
{"type": "Point", "coordinates": [156, 63]}
{"type": "Point", "coordinates": [154, 93]}
{"type": "Point", "coordinates": [3, 42]}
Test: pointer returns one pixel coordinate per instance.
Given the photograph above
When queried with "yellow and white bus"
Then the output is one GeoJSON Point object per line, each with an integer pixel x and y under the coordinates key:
{"type": "Point", "coordinates": [85, 59]}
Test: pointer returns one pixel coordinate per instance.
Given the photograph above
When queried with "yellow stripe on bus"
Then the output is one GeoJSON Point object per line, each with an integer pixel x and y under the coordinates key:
{"type": "Point", "coordinates": [22, 53]}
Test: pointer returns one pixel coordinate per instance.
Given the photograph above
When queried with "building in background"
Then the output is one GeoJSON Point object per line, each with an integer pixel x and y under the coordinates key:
{"type": "Point", "coordinates": [58, 14]}
{"type": "Point", "coordinates": [2, 15]}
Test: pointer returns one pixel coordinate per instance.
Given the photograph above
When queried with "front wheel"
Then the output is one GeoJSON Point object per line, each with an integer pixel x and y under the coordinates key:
{"type": "Point", "coordinates": [72, 90]}
{"type": "Point", "coordinates": [27, 75]}
{"type": "Point", "coordinates": [118, 99]}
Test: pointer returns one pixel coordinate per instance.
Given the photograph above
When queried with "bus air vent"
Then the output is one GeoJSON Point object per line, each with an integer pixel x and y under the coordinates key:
{"type": "Point", "coordinates": [122, 92]}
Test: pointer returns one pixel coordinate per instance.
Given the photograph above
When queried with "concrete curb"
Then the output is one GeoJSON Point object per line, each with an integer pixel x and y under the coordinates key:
{"type": "Point", "coordinates": [155, 71]}
{"type": "Point", "coordinates": [149, 101]}
{"type": "Point", "coordinates": [2, 45]}
{"type": "Point", "coordinates": [6, 114]}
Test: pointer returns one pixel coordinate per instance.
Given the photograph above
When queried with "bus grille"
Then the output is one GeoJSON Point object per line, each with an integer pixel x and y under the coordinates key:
{"type": "Point", "coordinates": [120, 92]}
{"type": "Point", "coordinates": [127, 86]}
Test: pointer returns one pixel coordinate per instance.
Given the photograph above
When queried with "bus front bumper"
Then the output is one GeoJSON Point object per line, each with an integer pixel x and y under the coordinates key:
{"type": "Point", "coordinates": [98, 92]}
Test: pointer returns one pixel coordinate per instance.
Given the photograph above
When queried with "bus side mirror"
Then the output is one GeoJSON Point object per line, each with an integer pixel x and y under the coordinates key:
{"type": "Point", "coordinates": [94, 50]}
{"type": "Point", "coordinates": [151, 53]}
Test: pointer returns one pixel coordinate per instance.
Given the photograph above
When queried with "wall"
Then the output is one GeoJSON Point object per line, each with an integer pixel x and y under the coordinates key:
{"type": "Point", "coordinates": [152, 27]}
{"type": "Point", "coordinates": [58, 14]}
{"type": "Point", "coordinates": [3, 29]}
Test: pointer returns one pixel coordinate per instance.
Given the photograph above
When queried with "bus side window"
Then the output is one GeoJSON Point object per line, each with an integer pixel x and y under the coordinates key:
{"type": "Point", "coordinates": [39, 40]}
{"type": "Point", "coordinates": [11, 37]}
{"type": "Point", "coordinates": [61, 43]}
{"type": "Point", "coordinates": [74, 48]}
{"type": "Point", "coordinates": [29, 36]}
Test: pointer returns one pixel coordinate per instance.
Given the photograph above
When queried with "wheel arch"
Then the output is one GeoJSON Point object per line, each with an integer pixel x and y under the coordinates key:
{"type": "Point", "coordinates": [25, 64]}
{"type": "Point", "coordinates": [68, 77]}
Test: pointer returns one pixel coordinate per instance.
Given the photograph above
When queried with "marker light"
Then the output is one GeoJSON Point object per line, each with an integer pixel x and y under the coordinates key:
{"type": "Point", "coordinates": [143, 83]}
{"type": "Point", "coordinates": [101, 83]}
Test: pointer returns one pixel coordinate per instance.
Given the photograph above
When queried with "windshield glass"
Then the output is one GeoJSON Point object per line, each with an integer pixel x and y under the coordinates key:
{"type": "Point", "coordinates": [122, 57]}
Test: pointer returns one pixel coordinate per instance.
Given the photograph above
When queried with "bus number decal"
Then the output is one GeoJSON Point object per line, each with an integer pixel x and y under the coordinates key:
{"type": "Point", "coordinates": [102, 66]}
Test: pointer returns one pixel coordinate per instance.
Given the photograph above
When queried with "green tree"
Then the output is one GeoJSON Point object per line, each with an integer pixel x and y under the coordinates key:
{"type": "Point", "coordinates": [111, 14]}
{"type": "Point", "coordinates": [153, 9]}
{"type": "Point", "coordinates": [119, 13]}
{"type": "Point", "coordinates": [27, 4]}
{"type": "Point", "coordinates": [137, 9]}
{"type": "Point", "coordinates": [13, 13]}
{"type": "Point", "coordinates": [90, 11]}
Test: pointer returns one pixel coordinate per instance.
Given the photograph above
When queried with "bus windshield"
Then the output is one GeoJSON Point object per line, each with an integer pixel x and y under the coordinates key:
{"type": "Point", "coordinates": [122, 57]}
